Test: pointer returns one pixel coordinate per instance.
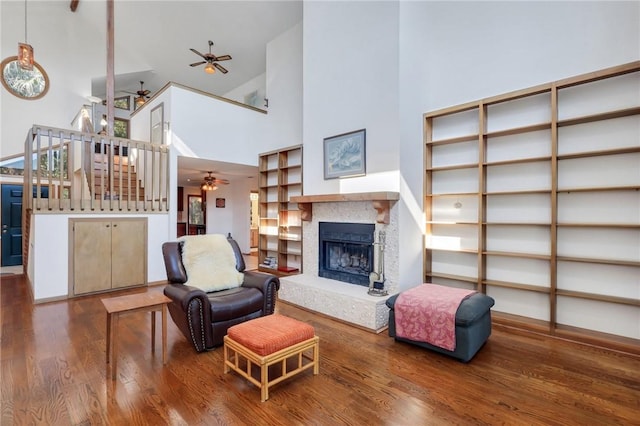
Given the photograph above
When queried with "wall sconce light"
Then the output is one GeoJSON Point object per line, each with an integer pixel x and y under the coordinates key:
{"type": "Point", "coordinates": [103, 123]}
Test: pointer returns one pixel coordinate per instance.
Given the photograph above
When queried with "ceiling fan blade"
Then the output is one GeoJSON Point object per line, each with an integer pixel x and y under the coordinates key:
{"type": "Point", "coordinates": [146, 92]}
{"type": "Point", "coordinates": [220, 181]}
{"type": "Point", "coordinates": [198, 53]}
{"type": "Point", "coordinates": [195, 64]}
{"type": "Point", "coordinates": [223, 58]}
{"type": "Point", "coordinates": [222, 69]}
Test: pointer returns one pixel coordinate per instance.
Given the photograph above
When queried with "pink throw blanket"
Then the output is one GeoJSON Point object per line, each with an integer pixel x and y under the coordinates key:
{"type": "Point", "coordinates": [427, 313]}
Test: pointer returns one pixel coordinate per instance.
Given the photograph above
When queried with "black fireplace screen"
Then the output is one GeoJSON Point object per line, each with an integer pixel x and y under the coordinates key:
{"type": "Point", "coordinates": [346, 251]}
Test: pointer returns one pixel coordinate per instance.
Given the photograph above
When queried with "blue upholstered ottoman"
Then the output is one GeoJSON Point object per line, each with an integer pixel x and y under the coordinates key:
{"type": "Point", "coordinates": [473, 326]}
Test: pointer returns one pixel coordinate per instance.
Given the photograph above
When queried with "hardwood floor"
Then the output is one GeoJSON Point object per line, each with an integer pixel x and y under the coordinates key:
{"type": "Point", "coordinates": [52, 359]}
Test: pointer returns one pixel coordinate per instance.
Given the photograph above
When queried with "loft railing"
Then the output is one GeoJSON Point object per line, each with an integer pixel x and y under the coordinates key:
{"type": "Point", "coordinates": [67, 171]}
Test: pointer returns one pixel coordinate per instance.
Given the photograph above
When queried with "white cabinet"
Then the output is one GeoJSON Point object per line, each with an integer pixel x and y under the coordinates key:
{"type": "Point", "coordinates": [107, 254]}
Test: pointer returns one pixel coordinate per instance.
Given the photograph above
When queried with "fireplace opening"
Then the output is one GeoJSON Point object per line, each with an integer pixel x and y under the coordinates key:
{"type": "Point", "coordinates": [346, 251]}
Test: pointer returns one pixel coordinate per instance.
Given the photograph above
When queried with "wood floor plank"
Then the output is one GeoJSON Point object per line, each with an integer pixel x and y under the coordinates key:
{"type": "Point", "coordinates": [52, 366]}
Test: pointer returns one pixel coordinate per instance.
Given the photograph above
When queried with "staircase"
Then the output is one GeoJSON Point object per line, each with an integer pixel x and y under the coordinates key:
{"type": "Point", "coordinates": [126, 185]}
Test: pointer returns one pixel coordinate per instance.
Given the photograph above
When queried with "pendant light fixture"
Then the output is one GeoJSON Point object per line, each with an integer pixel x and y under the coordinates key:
{"type": "Point", "coordinates": [25, 50]}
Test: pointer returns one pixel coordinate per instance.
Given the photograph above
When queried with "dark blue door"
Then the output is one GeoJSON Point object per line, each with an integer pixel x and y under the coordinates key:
{"type": "Point", "coordinates": [12, 224]}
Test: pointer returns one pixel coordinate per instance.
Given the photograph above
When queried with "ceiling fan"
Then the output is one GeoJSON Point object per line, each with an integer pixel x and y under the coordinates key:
{"type": "Point", "coordinates": [143, 95]}
{"type": "Point", "coordinates": [211, 183]}
{"type": "Point", "coordinates": [211, 60]}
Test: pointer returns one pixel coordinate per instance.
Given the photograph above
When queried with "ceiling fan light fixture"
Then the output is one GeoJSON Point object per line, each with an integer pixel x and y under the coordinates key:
{"type": "Point", "coordinates": [209, 68]}
{"type": "Point", "coordinates": [207, 186]}
{"type": "Point", "coordinates": [210, 183]}
{"type": "Point", "coordinates": [139, 101]}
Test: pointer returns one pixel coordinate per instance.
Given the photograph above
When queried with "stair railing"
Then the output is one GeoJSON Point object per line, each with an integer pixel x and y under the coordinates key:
{"type": "Point", "coordinates": [70, 171]}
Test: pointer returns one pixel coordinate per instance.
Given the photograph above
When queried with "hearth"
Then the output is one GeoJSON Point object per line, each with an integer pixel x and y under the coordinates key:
{"type": "Point", "coordinates": [346, 251]}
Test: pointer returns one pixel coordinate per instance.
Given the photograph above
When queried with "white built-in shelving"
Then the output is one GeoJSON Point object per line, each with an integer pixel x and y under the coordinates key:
{"type": "Point", "coordinates": [533, 197]}
{"type": "Point", "coordinates": [280, 227]}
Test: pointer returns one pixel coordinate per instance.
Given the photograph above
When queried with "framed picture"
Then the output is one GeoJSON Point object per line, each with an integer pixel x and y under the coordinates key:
{"type": "Point", "coordinates": [122, 102]}
{"type": "Point", "coordinates": [120, 127]}
{"type": "Point", "coordinates": [195, 213]}
{"type": "Point", "coordinates": [157, 121]}
{"type": "Point", "coordinates": [220, 203]}
{"type": "Point", "coordinates": [344, 155]}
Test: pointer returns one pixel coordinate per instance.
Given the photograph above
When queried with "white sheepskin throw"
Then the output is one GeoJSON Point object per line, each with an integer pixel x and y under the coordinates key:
{"type": "Point", "coordinates": [210, 262]}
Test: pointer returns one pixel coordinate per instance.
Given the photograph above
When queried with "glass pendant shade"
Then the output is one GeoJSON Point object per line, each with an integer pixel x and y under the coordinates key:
{"type": "Point", "coordinates": [25, 56]}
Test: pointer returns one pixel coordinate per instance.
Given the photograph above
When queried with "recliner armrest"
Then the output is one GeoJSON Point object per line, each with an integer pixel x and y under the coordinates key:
{"type": "Point", "coordinates": [184, 294]}
{"type": "Point", "coordinates": [268, 284]}
{"type": "Point", "coordinates": [191, 311]}
{"type": "Point", "coordinates": [172, 254]}
{"type": "Point", "coordinates": [260, 280]}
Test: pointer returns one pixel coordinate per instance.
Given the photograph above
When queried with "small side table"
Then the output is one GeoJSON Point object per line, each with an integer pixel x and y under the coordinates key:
{"type": "Point", "coordinates": [145, 302]}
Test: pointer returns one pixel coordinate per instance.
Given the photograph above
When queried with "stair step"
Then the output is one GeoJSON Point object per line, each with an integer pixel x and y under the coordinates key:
{"type": "Point", "coordinates": [117, 198]}
{"type": "Point", "coordinates": [103, 158]}
{"type": "Point", "coordinates": [117, 167]}
{"type": "Point", "coordinates": [116, 190]}
{"type": "Point", "coordinates": [116, 176]}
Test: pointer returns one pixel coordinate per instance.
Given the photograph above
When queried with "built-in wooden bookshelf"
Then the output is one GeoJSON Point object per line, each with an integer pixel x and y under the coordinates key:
{"type": "Point", "coordinates": [533, 197]}
{"type": "Point", "coordinates": [280, 225]}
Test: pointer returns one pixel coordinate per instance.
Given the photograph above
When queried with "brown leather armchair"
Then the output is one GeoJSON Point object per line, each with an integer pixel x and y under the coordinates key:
{"type": "Point", "coordinates": [204, 318]}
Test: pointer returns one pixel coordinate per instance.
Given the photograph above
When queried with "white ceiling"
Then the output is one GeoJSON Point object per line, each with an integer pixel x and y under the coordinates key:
{"type": "Point", "coordinates": [152, 42]}
{"type": "Point", "coordinates": [191, 171]}
{"type": "Point", "coordinates": [153, 38]}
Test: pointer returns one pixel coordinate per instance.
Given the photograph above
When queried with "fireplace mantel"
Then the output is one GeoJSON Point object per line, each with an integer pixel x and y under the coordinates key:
{"type": "Point", "coordinates": [381, 202]}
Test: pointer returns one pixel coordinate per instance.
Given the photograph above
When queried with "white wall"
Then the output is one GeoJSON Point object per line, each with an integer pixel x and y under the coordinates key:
{"type": "Point", "coordinates": [200, 126]}
{"type": "Point", "coordinates": [69, 86]}
{"type": "Point", "coordinates": [284, 90]}
{"type": "Point", "coordinates": [50, 273]}
{"type": "Point", "coordinates": [234, 217]}
{"type": "Point", "coordinates": [454, 52]}
{"type": "Point", "coordinates": [351, 81]}
{"type": "Point", "coordinates": [350, 77]}
{"type": "Point", "coordinates": [257, 84]}
{"type": "Point", "coordinates": [206, 127]}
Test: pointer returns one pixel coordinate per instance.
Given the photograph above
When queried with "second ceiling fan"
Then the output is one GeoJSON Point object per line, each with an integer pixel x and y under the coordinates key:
{"type": "Point", "coordinates": [211, 60]}
{"type": "Point", "coordinates": [211, 183]}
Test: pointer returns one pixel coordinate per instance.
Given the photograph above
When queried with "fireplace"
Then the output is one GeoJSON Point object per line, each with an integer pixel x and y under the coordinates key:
{"type": "Point", "coordinates": [347, 302]}
{"type": "Point", "coordinates": [345, 251]}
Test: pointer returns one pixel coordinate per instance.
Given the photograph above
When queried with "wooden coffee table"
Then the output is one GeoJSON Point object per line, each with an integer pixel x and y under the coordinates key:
{"type": "Point", "coordinates": [145, 302]}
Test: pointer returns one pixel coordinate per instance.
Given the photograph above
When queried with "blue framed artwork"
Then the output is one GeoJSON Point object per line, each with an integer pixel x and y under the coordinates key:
{"type": "Point", "coordinates": [345, 155]}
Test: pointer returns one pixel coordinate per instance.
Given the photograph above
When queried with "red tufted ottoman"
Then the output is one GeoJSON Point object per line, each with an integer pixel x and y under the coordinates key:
{"type": "Point", "coordinates": [267, 341]}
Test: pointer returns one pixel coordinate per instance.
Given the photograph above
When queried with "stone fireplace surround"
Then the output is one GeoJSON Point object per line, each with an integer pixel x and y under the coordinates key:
{"type": "Point", "coordinates": [344, 301]}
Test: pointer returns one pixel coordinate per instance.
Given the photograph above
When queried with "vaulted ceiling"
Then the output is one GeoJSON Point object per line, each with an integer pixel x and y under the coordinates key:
{"type": "Point", "coordinates": [153, 41]}
{"type": "Point", "coordinates": [154, 38]}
